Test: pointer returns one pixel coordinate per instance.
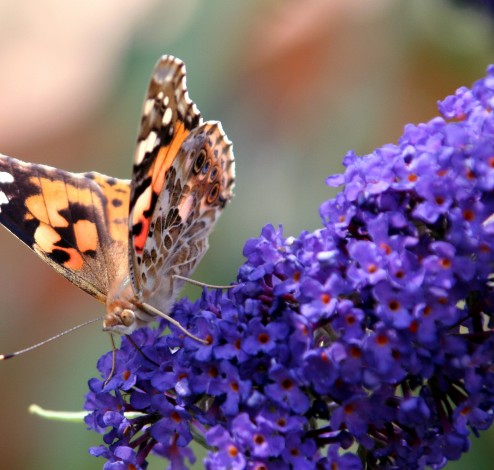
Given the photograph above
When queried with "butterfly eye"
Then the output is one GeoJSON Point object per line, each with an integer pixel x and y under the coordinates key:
{"type": "Point", "coordinates": [213, 193]}
{"type": "Point", "coordinates": [199, 162]}
{"type": "Point", "coordinates": [127, 316]}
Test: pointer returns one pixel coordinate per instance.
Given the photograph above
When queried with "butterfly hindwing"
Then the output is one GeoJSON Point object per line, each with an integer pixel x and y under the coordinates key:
{"type": "Point", "coordinates": [67, 219]}
{"type": "Point", "coordinates": [196, 189]}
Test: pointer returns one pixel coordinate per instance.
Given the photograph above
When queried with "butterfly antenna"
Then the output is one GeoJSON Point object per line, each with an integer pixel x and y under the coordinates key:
{"type": "Point", "coordinates": [202, 284]}
{"type": "Point", "coordinates": [154, 311]}
{"type": "Point", "coordinates": [3, 357]}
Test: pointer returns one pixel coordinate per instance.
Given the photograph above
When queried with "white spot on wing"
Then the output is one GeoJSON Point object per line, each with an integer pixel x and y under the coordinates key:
{"type": "Point", "coordinates": [146, 145]}
{"type": "Point", "coordinates": [6, 178]}
{"type": "Point", "coordinates": [140, 151]}
{"type": "Point", "coordinates": [148, 106]}
{"type": "Point", "coordinates": [151, 141]}
{"type": "Point", "coordinates": [167, 117]}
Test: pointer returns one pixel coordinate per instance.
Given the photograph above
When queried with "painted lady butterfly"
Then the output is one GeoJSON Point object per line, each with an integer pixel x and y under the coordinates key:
{"type": "Point", "coordinates": [124, 241]}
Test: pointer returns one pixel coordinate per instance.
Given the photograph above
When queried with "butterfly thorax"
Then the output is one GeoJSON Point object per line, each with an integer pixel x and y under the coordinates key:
{"type": "Point", "coordinates": [127, 311]}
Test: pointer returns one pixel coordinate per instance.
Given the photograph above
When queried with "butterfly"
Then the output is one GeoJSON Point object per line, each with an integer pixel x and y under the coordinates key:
{"type": "Point", "coordinates": [125, 242]}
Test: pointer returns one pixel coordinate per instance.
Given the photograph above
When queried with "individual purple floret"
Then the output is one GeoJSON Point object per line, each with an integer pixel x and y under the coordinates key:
{"type": "Point", "coordinates": [373, 331]}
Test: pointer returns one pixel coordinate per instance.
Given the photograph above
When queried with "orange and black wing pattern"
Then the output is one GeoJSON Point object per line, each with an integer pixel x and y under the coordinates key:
{"type": "Point", "coordinates": [77, 223]}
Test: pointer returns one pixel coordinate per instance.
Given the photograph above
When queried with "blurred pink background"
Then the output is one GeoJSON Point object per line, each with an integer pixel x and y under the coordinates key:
{"type": "Point", "coordinates": [295, 84]}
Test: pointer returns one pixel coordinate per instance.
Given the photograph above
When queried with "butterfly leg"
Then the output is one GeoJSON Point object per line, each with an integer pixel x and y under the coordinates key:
{"type": "Point", "coordinates": [202, 284]}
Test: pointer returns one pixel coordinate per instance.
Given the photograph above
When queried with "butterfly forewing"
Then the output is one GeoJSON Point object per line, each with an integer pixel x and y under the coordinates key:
{"type": "Point", "coordinates": [168, 116]}
{"type": "Point", "coordinates": [65, 218]}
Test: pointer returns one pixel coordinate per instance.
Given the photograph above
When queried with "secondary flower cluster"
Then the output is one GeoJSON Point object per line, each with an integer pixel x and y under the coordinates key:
{"type": "Point", "coordinates": [373, 331]}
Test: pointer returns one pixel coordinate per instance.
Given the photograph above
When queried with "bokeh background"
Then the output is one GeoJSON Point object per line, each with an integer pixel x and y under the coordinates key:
{"type": "Point", "coordinates": [295, 84]}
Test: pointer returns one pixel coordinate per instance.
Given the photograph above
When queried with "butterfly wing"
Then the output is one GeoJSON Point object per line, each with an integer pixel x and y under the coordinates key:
{"type": "Point", "coordinates": [77, 223]}
{"type": "Point", "coordinates": [197, 187]}
{"type": "Point", "coordinates": [183, 178]}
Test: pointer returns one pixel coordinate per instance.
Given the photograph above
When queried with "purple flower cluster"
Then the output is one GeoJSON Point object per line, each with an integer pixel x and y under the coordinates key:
{"type": "Point", "coordinates": [373, 331]}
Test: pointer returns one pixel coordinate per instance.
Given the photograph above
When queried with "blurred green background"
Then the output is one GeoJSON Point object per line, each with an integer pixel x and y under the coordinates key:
{"type": "Point", "coordinates": [295, 84]}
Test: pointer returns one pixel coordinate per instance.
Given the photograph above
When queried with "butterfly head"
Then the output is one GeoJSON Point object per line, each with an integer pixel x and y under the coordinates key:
{"type": "Point", "coordinates": [124, 319]}
{"type": "Point", "coordinates": [123, 315]}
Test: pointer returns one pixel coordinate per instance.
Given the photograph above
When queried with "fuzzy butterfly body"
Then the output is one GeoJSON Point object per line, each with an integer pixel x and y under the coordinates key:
{"type": "Point", "coordinates": [124, 241]}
